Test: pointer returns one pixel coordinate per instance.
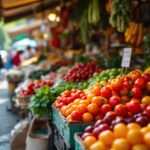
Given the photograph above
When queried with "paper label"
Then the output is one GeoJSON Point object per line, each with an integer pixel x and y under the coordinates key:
{"type": "Point", "coordinates": [126, 57]}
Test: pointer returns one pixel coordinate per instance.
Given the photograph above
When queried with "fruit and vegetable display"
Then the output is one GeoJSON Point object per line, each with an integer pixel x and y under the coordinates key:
{"type": "Point", "coordinates": [120, 13]}
{"type": "Point", "coordinates": [32, 85]}
{"type": "Point", "coordinates": [134, 34]}
{"type": "Point", "coordinates": [81, 72]}
{"type": "Point", "coordinates": [40, 102]}
{"type": "Point", "coordinates": [105, 75]}
{"type": "Point", "coordinates": [121, 137]}
{"type": "Point", "coordinates": [127, 96]}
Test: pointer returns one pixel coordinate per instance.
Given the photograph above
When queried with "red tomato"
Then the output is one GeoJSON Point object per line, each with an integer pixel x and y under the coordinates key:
{"type": "Point", "coordinates": [76, 116]}
{"type": "Point", "coordinates": [125, 99]}
{"type": "Point", "coordinates": [114, 100]}
{"type": "Point", "coordinates": [136, 92]}
{"type": "Point", "coordinates": [128, 84]}
{"type": "Point", "coordinates": [148, 111]}
{"type": "Point", "coordinates": [146, 76]}
{"type": "Point", "coordinates": [140, 83]}
{"type": "Point", "coordinates": [135, 75]}
{"type": "Point", "coordinates": [124, 92]}
{"type": "Point", "coordinates": [121, 110]}
{"type": "Point", "coordinates": [105, 108]}
{"type": "Point", "coordinates": [106, 92]}
{"type": "Point", "coordinates": [116, 84]}
{"type": "Point", "coordinates": [98, 116]}
{"type": "Point", "coordinates": [134, 106]}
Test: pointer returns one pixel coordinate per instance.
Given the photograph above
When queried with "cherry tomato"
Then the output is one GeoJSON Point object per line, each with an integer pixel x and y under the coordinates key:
{"type": "Point", "coordinates": [93, 108]}
{"type": "Point", "coordinates": [116, 84]}
{"type": "Point", "coordinates": [135, 75]}
{"type": "Point", "coordinates": [148, 111]}
{"type": "Point", "coordinates": [146, 76]}
{"type": "Point", "coordinates": [136, 92]}
{"type": "Point", "coordinates": [125, 99]}
{"type": "Point", "coordinates": [106, 92]}
{"type": "Point", "coordinates": [121, 110]}
{"type": "Point", "coordinates": [128, 84]}
{"type": "Point", "coordinates": [124, 92]}
{"type": "Point", "coordinates": [114, 100]}
{"type": "Point", "coordinates": [134, 106]}
{"type": "Point", "coordinates": [140, 83]}
{"type": "Point", "coordinates": [76, 116]}
{"type": "Point", "coordinates": [105, 108]}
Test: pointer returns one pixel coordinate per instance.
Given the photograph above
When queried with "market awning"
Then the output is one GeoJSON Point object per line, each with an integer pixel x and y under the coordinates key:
{"type": "Point", "coordinates": [16, 9]}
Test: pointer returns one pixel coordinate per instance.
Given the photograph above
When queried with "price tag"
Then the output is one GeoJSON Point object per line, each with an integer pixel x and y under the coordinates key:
{"type": "Point", "coordinates": [126, 57]}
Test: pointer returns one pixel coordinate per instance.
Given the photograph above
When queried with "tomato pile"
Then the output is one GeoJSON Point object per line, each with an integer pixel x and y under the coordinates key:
{"type": "Point", "coordinates": [68, 97]}
{"type": "Point", "coordinates": [122, 137]}
{"type": "Point", "coordinates": [81, 72]}
{"type": "Point", "coordinates": [32, 85]}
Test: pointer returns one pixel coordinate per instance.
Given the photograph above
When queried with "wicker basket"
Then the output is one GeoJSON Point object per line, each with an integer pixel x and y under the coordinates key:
{"type": "Point", "coordinates": [23, 100]}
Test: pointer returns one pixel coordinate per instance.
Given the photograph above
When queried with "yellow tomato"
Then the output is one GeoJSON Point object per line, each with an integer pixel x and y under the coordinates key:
{"type": "Point", "coordinates": [146, 100]}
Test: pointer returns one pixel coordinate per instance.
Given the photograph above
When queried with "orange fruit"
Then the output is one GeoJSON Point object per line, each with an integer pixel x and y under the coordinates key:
{"type": "Point", "coordinates": [140, 147]}
{"type": "Point", "coordinates": [144, 130]}
{"type": "Point", "coordinates": [77, 101]}
{"type": "Point", "coordinates": [120, 144]}
{"type": "Point", "coordinates": [97, 100]}
{"type": "Point", "coordinates": [89, 140]}
{"type": "Point", "coordinates": [93, 108]}
{"type": "Point", "coordinates": [147, 139]}
{"type": "Point", "coordinates": [96, 90]}
{"type": "Point", "coordinates": [89, 97]}
{"type": "Point", "coordinates": [97, 146]}
{"type": "Point", "coordinates": [105, 135]}
{"type": "Point", "coordinates": [87, 117]}
{"type": "Point", "coordinates": [134, 136]}
{"type": "Point", "coordinates": [133, 126]}
{"type": "Point", "coordinates": [81, 108]}
{"type": "Point", "coordinates": [84, 102]}
{"type": "Point", "coordinates": [120, 130]}
{"type": "Point", "coordinates": [68, 112]}
{"type": "Point", "coordinates": [146, 100]}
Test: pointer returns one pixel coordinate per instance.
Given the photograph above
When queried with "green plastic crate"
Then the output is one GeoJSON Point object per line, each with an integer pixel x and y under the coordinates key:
{"type": "Point", "coordinates": [67, 129]}
{"type": "Point", "coordinates": [78, 142]}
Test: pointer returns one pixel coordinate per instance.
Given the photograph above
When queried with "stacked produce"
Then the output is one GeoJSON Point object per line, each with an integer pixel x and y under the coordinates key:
{"type": "Point", "coordinates": [122, 137]}
{"type": "Point", "coordinates": [81, 72]}
{"type": "Point", "coordinates": [126, 96]}
{"type": "Point", "coordinates": [120, 13]}
{"type": "Point", "coordinates": [68, 97]}
{"type": "Point", "coordinates": [104, 75]}
{"type": "Point", "coordinates": [134, 34]}
{"type": "Point", "coordinates": [32, 85]}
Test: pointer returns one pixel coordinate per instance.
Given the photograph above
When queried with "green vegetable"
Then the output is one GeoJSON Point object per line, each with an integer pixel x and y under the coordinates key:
{"type": "Point", "coordinates": [120, 14]}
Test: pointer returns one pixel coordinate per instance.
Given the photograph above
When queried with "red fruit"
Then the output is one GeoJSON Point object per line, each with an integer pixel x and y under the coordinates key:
{"type": "Point", "coordinates": [128, 84]}
{"type": "Point", "coordinates": [140, 83]}
{"type": "Point", "coordinates": [76, 116]}
{"type": "Point", "coordinates": [86, 134]}
{"type": "Point", "coordinates": [109, 117]}
{"type": "Point", "coordinates": [148, 111]}
{"type": "Point", "coordinates": [121, 110]}
{"type": "Point", "coordinates": [135, 75]}
{"type": "Point", "coordinates": [136, 92]}
{"type": "Point", "coordinates": [146, 76]}
{"type": "Point", "coordinates": [98, 116]}
{"type": "Point", "coordinates": [116, 84]}
{"type": "Point", "coordinates": [134, 106]}
{"type": "Point", "coordinates": [114, 100]}
{"type": "Point", "coordinates": [89, 129]}
{"type": "Point", "coordinates": [106, 92]}
{"type": "Point", "coordinates": [105, 108]}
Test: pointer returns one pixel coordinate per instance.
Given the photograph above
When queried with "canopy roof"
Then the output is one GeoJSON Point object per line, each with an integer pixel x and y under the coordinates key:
{"type": "Point", "coordinates": [15, 9]}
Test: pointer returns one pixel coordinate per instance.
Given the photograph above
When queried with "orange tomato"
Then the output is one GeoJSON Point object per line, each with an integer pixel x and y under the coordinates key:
{"type": "Point", "coordinates": [124, 92]}
{"type": "Point", "coordinates": [89, 97]}
{"type": "Point", "coordinates": [146, 100]}
{"type": "Point", "coordinates": [140, 147]}
{"type": "Point", "coordinates": [134, 136]}
{"type": "Point", "coordinates": [144, 130]}
{"type": "Point", "coordinates": [84, 102]}
{"type": "Point", "coordinates": [147, 139]}
{"type": "Point", "coordinates": [120, 130]}
{"type": "Point", "coordinates": [96, 90]}
{"type": "Point", "coordinates": [93, 108]}
{"type": "Point", "coordinates": [97, 146]}
{"type": "Point", "coordinates": [116, 84]}
{"type": "Point", "coordinates": [121, 144]}
{"type": "Point", "coordinates": [133, 126]}
{"type": "Point", "coordinates": [125, 99]}
{"type": "Point", "coordinates": [105, 135]}
{"type": "Point", "coordinates": [97, 100]}
{"type": "Point", "coordinates": [89, 140]}
{"type": "Point", "coordinates": [81, 109]}
{"type": "Point", "coordinates": [68, 112]}
{"type": "Point", "coordinates": [87, 117]}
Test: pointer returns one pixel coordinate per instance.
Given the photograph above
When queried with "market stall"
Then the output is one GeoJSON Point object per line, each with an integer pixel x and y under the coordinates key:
{"type": "Point", "coordinates": [94, 92]}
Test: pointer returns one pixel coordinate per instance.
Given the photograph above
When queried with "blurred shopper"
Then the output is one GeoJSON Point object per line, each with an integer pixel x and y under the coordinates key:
{"type": "Point", "coordinates": [1, 65]}
{"type": "Point", "coordinates": [28, 53]}
{"type": "Point", "coordinates": [17, 58]}
{"type": "Point", "coordinates": [9, 60]}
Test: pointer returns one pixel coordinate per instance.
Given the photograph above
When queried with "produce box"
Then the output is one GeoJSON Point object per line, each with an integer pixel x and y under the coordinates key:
{"type": "Point", "coordinates": [66, 128]}
{"type": "Point", "coordinates": [78, 142]}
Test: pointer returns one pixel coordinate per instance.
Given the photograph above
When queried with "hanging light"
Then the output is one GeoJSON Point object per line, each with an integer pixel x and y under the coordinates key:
{"type": "Point", "coordinates": [57, 19]}
{"type": "Point", "coordinates": [52, 17]}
